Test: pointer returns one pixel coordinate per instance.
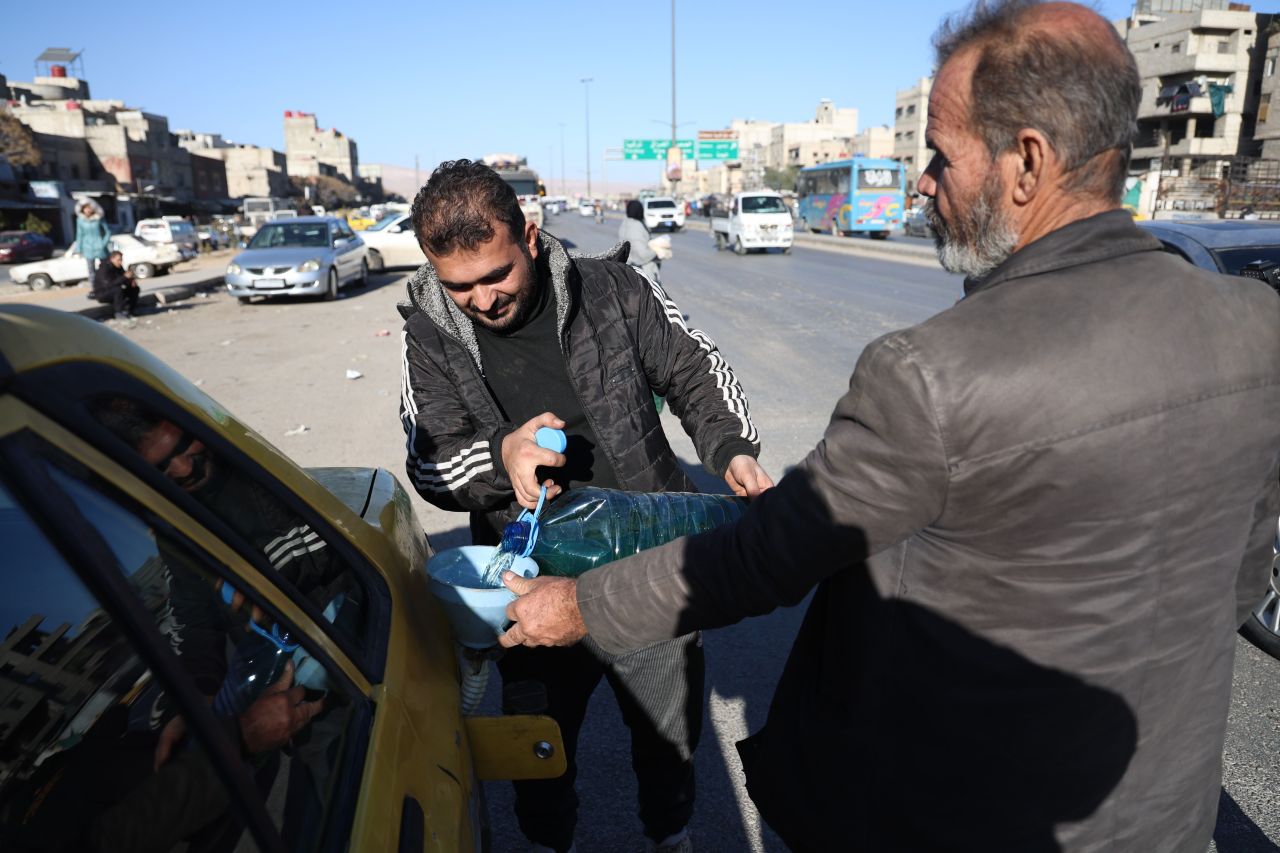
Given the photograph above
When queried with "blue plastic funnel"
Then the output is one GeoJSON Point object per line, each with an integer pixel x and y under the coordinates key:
{"type": "Point", "coordinates": [478, 615]}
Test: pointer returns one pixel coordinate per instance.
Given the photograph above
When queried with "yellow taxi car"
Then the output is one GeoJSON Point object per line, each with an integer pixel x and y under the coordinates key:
{"type": "Point", "coordinates": [360, 219]}
{"type": "Point", "coordinates": [201, 640]}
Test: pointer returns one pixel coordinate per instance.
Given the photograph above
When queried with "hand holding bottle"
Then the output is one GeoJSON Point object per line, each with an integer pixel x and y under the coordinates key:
{"type": "Point", "coordinates": [522, 457]}
{"type": "Point", "coordinates": [745, 476]}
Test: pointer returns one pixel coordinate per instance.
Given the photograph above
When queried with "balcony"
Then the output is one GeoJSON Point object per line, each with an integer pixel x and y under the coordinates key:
{"type": "Point", "coordinates": [1192, 146]}
{"type": "Point", "coordinates": [1200, 106]}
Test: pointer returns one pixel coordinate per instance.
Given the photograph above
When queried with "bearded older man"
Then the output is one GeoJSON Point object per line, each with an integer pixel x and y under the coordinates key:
{"type": "Point", "coordinates": [1035, 520]}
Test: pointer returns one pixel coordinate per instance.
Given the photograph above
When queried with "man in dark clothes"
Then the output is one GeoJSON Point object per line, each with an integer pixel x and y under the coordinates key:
{"type": "Point", "coordinates": [1034, 522]}
{"type": "Point", "coordinates": [505, 333]}
{"type": "Point", "coordinates": [113, 283]}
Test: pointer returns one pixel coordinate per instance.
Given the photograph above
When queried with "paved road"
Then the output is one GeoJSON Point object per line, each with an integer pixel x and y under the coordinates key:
{"type": "Point", "coordinates": [76, 297]}
{"type": "Point", "coordinates": [793, 327]}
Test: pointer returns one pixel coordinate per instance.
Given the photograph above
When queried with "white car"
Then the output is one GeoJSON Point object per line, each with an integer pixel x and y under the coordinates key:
{"type": "Point", "coordinates": [587, 208]}
{"type": "Point", "coordinates": [662, 212]}
{"type": "Point", "coordinates": [170, 229]}
{"type": "Point", "coordinates": [392, 243]}
{"type": "Point", "coordinates": [142, 258]}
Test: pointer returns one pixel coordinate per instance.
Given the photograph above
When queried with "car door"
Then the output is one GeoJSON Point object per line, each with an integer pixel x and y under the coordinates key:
{"type": "Point", "coordinates": [345, 251]}
{"type": "Point", "coordinates": [402, 244]}
{"type": "Point", "coordinates": [212, 572]}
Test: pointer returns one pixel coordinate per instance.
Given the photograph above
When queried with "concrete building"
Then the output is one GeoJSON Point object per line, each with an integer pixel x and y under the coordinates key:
{"type": "Point", "coordinates": [208, 178]}
{"type": "Point", "coordinates": [308, 148]}
{"type": "Point", "coordinates": [806, 143]}
{"type": "Point", "coordinates": [1198, 70]}
{"type": "Point", "coordinates": [874, 142]}
{"type": "Point", "coordinates": [251, 171]}
{"type": "Point", "coordinates": [1267, 131]}
{"type": "Point", "coordinates": [910, 117]}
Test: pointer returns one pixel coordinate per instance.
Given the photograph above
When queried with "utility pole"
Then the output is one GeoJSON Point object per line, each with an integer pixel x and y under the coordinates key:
{"type": "Point", "coordinates": [674, 141]}
{"type": "Point", "coordinates": [563, 190]}
{"type": "Point", "coordinates": [586, 92]}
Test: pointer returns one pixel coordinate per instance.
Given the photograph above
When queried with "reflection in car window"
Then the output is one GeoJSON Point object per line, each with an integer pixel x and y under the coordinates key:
{"type": "Point", "coordinates": [80, 714]}
{"type": "Point", "coordinates": [1234, 260]}
{"type": "Point", "coordinates": [269, 527]}
{"type": "Point", "coordinates": [262, 682]}
{"type": "Point", "coordinates": [763, 204]}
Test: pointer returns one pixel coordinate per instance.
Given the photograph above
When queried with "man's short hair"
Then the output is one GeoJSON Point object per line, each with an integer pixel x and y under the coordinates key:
{"type": "Point", "coordinates": [115, 252]}
{"type": "Point", "coordinates": [1081, 92]}
{"type": "Point", "coordinates": [459, 205]}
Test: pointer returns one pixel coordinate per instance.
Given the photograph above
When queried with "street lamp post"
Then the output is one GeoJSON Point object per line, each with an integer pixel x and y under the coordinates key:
{"type": "Point", "coordinates": [586, 92]}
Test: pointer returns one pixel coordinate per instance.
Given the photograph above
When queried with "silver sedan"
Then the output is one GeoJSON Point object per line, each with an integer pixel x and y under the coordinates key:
{"type": "Point", "coordinates": [306, 256]}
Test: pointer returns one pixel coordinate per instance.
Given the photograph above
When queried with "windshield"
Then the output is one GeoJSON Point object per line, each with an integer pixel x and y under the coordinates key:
{"type": "Point", "coordinates": [384, 222]}
{"type": "Point", "coordinates": [8, 239]}
{"type": "Point", "coordinates": [522, 186]}
{"type": "Point", "coordinates": [662, 203]}
{"type": "Point", "coordinates": [1234, 260]}
{"type": "Point", "coordinates": [763, 204]}
{"type": "Point", "coordinates": [305, 234]}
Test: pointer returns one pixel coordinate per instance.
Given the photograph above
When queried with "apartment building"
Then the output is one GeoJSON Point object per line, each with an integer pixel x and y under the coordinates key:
{"type": "Point", "coordinates": [910, 117]}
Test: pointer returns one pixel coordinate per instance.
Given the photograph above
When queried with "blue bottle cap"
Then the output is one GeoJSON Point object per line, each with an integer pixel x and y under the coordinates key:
{"type": "Point", "coordinates": [551, 439]}
{"type": "Point", "coordinates": [515, 536]}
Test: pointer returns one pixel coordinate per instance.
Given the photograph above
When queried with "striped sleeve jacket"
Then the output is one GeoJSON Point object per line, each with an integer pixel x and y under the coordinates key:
{"type": "Point", "coordinates": [624, 340]}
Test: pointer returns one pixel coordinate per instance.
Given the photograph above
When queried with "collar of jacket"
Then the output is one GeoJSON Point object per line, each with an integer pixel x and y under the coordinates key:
{"type": "Point", "coordinates": [1097, 238]}
{"type": "Point", "coordinates": [427, 295]}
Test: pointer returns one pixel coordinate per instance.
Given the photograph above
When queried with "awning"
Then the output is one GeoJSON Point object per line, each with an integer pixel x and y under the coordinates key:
{"type": "Point", "coordinates": [26, 204]}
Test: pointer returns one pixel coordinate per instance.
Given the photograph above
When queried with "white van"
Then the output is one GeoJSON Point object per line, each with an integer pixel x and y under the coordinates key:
{"type": "Point", "coordinates": [170, 229]}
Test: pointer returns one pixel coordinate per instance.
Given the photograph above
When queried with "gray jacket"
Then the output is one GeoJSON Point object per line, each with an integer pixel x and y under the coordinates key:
{"type": "Point", "coordinates": [632, 231]}
{"type": "Point", "coordinates": [1035, 522]}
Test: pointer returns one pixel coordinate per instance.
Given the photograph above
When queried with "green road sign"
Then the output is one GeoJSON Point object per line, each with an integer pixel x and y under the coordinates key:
{"type": "Point", "coordinates": [717, 149]}
{"type": "Point", "coordinates": [656, 149]}
{"type": "Point", "coordinates": [653, 149]}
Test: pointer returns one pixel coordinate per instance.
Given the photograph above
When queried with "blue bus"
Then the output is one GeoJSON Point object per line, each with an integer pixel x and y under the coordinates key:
{"type": "Point", "coordinates": [848, 196]}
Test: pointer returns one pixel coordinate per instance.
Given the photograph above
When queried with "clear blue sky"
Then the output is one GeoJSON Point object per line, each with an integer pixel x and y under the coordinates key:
{"type": "Point", "coordinates": [446, 80]}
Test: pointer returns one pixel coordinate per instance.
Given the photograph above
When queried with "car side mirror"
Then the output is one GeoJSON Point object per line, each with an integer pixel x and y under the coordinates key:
{"type": "Point", "coordinates": [339, 242]}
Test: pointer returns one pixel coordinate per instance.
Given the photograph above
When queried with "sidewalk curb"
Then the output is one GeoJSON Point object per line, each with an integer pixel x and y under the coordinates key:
{"type": "Point", "coordinates": [160, 297]}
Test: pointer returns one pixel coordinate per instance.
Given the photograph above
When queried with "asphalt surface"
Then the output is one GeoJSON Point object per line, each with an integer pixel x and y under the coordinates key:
{"type": "Point", "coordinates": [792, 327]}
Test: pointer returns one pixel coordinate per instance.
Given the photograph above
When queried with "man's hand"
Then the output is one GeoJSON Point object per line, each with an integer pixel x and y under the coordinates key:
{"type": "Point", "coordinates": [277, 715]}
{"type": "Point", "coordinates": [545, 614]}
{"type": "Point", "coordinates": [745, 476]}
{"type": "Point", "coordinates": [170, 736]}
{"type": "Point", "coordinates": [522, 456]}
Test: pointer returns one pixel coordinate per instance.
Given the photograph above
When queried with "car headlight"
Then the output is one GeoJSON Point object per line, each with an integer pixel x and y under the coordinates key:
{"type": "Point", "coordinates": [233, 269]}
{"type": "Point", "coordinates": [310, 266]}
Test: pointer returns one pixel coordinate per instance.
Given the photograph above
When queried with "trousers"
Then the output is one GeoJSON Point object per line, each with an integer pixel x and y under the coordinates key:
{"type": "Point", "coordinates": [659, 691]}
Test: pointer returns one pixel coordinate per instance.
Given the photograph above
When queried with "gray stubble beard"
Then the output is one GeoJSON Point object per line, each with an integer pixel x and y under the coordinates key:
{"type": "Point", "coordinates": [977, 240]}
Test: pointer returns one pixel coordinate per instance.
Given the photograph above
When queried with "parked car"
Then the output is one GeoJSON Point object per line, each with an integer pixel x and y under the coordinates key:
{"type": "Point", "coordinates": [170, 229]}
{"type": "Point", "coordinates": [1252, 249]}
{"type": "Point", "coordinates": [660, 212]}
{"type": "Point", "coordinates": [392, 243]}
{"type": "Point", "coordinates": [147, 532]}
{"type": "Point", "coordinates": [360, 219]}
{"type": "Point", "coordinates": [303, 256]}
{"type": "Point", "coordinates": [24, 246]}
{"type": "Point", "coordinates": [759, 219]}
{"type": "Point", "coordinates": [142, 258]}
{"type": "Point", "coordinates": [587, 208]}
{"type": "Point", "coordinates": [213, 235]}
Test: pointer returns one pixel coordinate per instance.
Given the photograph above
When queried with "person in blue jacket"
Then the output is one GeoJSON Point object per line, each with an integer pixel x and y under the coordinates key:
{"type": "Point", "coordinates": [92, 235]}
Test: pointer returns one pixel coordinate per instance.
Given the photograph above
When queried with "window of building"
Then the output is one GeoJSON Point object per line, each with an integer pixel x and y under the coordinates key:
{"type": "Point", "coordinates": [1177, 48]}
{"type": "Point", "coordinates": [911, 110]}
{"type": "Point", "coordinates": [898, 135]}
{"type": "Point", "coordinates": [1205, 127]}
{"type": "Point", "coordinates": [1224, 46]}
{"type": "Point", "coordinates": [1269, 69]}
{"type": "Point", "coordinates": [897, 113]}
{"type": "Point", "coordinates": [75, 172]}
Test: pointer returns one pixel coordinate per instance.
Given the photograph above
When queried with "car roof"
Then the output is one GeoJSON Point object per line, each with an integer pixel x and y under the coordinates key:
{"type": "Point", "coordinates": [1218, 233]}
{"type": "Point", "coordinates": [305, 220]}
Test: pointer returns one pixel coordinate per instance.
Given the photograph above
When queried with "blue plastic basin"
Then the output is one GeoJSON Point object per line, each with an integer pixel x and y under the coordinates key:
{"type": "Point", "coordinates": [477, 615]}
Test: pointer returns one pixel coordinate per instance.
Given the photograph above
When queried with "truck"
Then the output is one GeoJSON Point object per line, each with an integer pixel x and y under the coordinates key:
{"type": "Point", "coordinates": [757, 219]}
{"type": "Point", "coordinates": [525, 181]}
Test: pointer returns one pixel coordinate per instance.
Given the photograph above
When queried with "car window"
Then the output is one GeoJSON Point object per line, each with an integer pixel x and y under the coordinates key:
{"type": "Point", "coordinates": [268, 531]}
{"type": "Point", "coordinates": [661, 203]}
{"type": "Point", "coordinates": [238, 656]}
{"type": "Point", "coordinates": [81, 713]}
{"type": "Point", "coordinates": [1234, 260]}
{"type": "Point", "coordinates": [763, 204]}
{"type": "Point", "coordinates": [291, 234]}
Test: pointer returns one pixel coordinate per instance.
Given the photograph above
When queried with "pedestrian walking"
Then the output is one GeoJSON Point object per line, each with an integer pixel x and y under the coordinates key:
{"type": "Point", "coordinates": [93, 235]}
{"type": "Point", "coordinates": [1035, 520]}
{"type": "Point", "coordinates": [506, 332]}
{"type": "Point", "coordinates": [636, 234]}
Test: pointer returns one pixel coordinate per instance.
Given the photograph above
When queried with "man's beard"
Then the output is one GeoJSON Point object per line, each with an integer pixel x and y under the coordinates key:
{"type": "Point", "coordinates": [976, 240]}
{"type": "Point", "coordinates": [524, 300]}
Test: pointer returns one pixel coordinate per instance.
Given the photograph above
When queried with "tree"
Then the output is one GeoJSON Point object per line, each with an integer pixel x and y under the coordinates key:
{"type": "Point", "coordinates": [36, 224]}
{"type": "Point", "coordinates": [781, 179]}
{"type": "Point", "coordinates": [17, 145]}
